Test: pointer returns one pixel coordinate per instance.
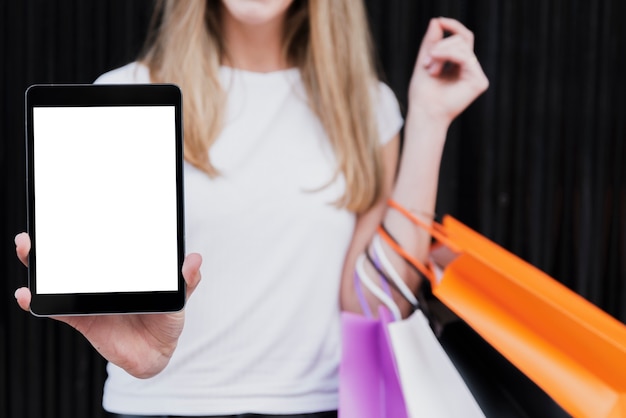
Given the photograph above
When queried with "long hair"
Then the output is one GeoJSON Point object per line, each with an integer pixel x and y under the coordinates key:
{"type": "Point", "coordinates": [328, 40]}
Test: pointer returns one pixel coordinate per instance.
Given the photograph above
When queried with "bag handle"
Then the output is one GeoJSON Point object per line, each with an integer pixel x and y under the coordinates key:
{"type": "Point", "coordinates": [435, 229]}
{"type": "Point", "coordinates": [425, 270]}
{"type": "Point", "coordinates": [365, 279]}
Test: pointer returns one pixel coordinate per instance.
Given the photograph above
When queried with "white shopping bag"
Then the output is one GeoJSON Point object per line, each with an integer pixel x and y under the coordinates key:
{"type": "Point", "coordinates": [431, 384]}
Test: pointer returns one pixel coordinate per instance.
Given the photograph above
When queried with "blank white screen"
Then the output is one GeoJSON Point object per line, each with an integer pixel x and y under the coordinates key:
{"type": "Point", "coordinates": [105, 199]}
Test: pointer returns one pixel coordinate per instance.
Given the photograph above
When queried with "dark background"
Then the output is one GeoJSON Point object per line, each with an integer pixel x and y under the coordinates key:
{"type": "Point", "coordinates": [536, 164]}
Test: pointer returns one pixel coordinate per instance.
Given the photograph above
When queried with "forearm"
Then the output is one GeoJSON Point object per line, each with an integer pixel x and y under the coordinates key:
{"type": "Point", "coordinates": [415, 189]}
{"type": "Point", "coordinates": [418, 174]}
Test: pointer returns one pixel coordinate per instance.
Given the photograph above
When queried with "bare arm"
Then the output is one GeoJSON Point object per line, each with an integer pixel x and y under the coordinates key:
{"type": "Point", "coordinates": [365, 228]}
{"type": "Point", "coordinates": [437, 95]}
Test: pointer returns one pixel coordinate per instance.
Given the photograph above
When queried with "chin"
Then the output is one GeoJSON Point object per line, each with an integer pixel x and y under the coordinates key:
{"type": "Point", "coordinates": [256, 12]}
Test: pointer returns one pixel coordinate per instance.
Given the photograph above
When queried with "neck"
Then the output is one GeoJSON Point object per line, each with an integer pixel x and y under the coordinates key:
{"type": "Point", "coordinates": [255, 48]}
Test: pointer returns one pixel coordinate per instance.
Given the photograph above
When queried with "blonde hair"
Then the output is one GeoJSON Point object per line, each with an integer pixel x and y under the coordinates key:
{"type": "Point", "coordinates": [328, 40]}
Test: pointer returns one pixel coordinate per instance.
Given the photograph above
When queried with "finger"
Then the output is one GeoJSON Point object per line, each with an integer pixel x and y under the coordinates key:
{"type": "Point", "coordinates": [434, 34]}
{"type": "Point", "coordinates": [22, 247]}
{"type": "Point", "coordinates": [453, 59]}
{"type": "Point", "coordinates": [454, 47]}
{"type": "Point", "coordinates": [455, 51]}
{"type": "Point", "coordinates": [457, 28]}
{"type": "Point", "coordinates": [22, 295]}
{"type": "Point", "coordinates": [191, 271]}
{"type": "Point", "coordinates": [451, 42]}
{"type": "Point", "coordinates": [435, 67]}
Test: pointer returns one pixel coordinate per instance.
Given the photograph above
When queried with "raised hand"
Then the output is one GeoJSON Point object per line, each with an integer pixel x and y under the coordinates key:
{"type": "Point", "coordinates": [140, 344]}
{"type": "Point", "coordinates": [447, 76]}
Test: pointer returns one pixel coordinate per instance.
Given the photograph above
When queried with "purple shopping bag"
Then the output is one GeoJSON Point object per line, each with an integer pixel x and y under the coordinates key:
{"type": "Point", "coordinates": [369, 386]}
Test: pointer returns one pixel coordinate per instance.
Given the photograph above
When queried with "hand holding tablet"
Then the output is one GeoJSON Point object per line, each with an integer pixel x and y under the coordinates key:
{"type": "Point", "coordinates": [140, 344]}
{"type": "Point", "coordinates": [102, 159]}
{"type": "Point", "coordinates": [104, 170]}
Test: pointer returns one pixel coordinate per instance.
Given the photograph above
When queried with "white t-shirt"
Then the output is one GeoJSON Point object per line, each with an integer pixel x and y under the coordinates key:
{"type": "Point", "coordinates": [262, 330]}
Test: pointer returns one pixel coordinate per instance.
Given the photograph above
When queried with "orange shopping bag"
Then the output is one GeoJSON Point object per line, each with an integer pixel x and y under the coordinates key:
{"type": "Point", "coordinates": [569, 347]}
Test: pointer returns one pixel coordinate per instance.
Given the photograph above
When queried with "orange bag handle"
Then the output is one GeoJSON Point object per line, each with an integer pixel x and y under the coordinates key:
{"type": "Point", "coordinates": [435, 229]}
{"type": "Point", "coordinates": [427, 271]}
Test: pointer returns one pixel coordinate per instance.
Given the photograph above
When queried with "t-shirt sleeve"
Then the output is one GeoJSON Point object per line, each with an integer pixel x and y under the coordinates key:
{"type": "Point", "coordinates": [388, 116]}
{"type": "Point", "coordinates": [133, 73]}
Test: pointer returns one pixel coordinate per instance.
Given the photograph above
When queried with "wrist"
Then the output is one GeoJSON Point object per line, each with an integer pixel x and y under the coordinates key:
{"type": "Point", "coordinates": [426, 127]}
{"type": "Point", "coordinates": [426, 115]}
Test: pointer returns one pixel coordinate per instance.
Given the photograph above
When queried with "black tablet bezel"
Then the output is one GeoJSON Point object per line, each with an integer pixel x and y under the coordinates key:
{"type": "Point", "coordinates": [86, 95]}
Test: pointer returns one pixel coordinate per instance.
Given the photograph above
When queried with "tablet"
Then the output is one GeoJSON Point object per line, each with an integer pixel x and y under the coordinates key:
{"type": "Point", "coordinates": [105, 199]}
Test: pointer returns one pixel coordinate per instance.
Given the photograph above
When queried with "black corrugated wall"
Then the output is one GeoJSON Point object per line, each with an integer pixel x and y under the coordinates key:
{"type": "Point", "coordinates": [537, 163]}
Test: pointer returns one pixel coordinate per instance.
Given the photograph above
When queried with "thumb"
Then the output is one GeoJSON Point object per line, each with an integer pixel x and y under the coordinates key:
{"type": "Point", "coordinates": [191, 272]}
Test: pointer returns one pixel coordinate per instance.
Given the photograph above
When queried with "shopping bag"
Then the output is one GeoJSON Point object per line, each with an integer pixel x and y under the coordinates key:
{"type": "Point", "coordinates": [569, 347]}
{"type": "Point", "coordinates": [393, 367]}
{"type": "Point", "coordinates": [431, 384]}
{"type": "Point", "coordinates": [368, 382]}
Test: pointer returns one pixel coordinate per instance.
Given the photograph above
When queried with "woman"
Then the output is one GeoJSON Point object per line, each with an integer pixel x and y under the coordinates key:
{"type": "Point", "coordinates": [291, 149]}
